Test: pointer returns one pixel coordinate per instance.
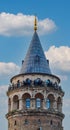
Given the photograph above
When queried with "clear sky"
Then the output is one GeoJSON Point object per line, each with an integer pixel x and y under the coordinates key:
{"type": "Point", "coordinates": [16, 30]}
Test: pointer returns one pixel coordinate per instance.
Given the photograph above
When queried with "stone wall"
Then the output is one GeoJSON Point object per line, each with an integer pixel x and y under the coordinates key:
{"type": "Point", "coordinates": [35, 122]}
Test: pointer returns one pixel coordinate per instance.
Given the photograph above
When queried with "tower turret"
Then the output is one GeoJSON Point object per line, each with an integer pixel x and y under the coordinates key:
{"type": "Point", "coordinates": [35, 95]}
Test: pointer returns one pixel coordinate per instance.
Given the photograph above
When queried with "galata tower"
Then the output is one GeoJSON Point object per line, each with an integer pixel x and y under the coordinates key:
{"type": "Point", "coordinates": [34, 95]}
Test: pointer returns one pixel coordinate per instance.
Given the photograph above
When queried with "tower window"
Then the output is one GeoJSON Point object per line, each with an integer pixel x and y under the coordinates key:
{"type": "Point", "coordinates": [15, 123]}
{"type": "Point", "coordinates": [48, 103]}
{"type": "Point", "coordinates": [18, 83]}
{"type": "Point", "coordinates": [40, 128]}
{"type": "Point", "coordinates": [28, 103]}
{"type": "Point", "coordinates": [26, 121]}
{"type": "Point", "coordinates": [39, 121]}
{"type": "Point", "coordinates": [50, 99]}
{"type": "Point", "coordinates": [15, 102]}
{"type": "Point", "coordinates": [51, 122]}
{"type": "Point", "coordinates": [38, 102]}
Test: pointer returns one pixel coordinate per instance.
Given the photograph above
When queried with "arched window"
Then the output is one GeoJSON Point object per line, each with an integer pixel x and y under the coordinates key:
{"type": "Point", "coordinates": [28, 103]}
{"type": "Point", "coordinates": [18, 83]}
{"type": "Point", "coordinates": [26, 121]}
{"type": "Point", "coordinates": [38, 103]}
{"type": "Point", "coordinates": [15, 123]}
{"type": "Point", "coordinates": [40, 128]}
{"type": "Point", "coordinates": [26, 100]}
{"type": "Point", "coordinates": [9, 104]}
{"type": "Point", "coordinates": [51, 101]}
{"type": "Point", "coordinates": [39, 100]}
{"type": "Point", "coordinates": [48, 104]}
{"type": "Point", "coordinates": [51, 122]}
{"type": "Point", "coordinates": [15, 102]}
{"type": "Point", "coordinates": [59, 104]}
{"type": "Point", "coordinates": [39, 121]}
{"type": "Point", "coordinates": [38, 81]}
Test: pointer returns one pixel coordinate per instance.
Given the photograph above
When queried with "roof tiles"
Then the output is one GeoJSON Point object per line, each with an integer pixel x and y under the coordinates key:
{"type": "Point", "coordinates": [35, 60]}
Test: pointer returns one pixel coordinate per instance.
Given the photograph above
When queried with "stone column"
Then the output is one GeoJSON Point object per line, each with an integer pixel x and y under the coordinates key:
{"type": "Point", "coordinates": [55, 105]}
{"type": "Point", "coordinates": [32, 106]}
{"type": "Point", "coordinates": [12, 104]}
{"type": "Point", "coordinates": [9, 105]}
{"type": "Point", "coordinates": [43, 104]}
{"type": "Point", "coordinates": [60, 107]}
{"type": "Point", "coordinates": [23, 104]}
{"type": "Point", "coordinates": [20, 104]}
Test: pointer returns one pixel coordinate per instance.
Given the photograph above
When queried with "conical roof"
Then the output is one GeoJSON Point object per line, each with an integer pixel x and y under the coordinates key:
{"type": "Point", "coordinates": [35, 60]}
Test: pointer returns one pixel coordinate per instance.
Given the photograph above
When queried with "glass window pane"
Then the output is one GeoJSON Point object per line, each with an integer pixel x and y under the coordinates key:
{"type": "Point", "coordinates": [38, 103]}
{"type": "Point", "coordinates": [27, 103]}
{"type": "Point", "coordinates": [48, 103]}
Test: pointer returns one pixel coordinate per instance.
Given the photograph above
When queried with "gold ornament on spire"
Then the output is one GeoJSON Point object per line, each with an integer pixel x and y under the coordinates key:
{"type": "Point", "coordinates": [35, 24]}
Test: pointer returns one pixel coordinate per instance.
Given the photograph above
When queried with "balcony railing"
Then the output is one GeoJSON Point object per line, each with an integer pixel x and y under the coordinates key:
{"type": "Point", "coordinates": [37, 82]}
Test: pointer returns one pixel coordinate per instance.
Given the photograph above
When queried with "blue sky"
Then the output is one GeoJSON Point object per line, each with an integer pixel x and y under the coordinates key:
{"type": "Point", "coordinates": [16, 30]}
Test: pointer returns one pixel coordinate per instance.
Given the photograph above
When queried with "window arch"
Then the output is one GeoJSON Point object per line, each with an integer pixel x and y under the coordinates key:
{"type": "Point", "coordinates": [18, 83]}
{"type": "Point", "coordinates": [26, 121]}
{"type": "Point", "coordinates": [15, 123]}
{"type": "Point", "coordinates": [38, 81]}
{"type": "Point", "coordinates": [15, 102]}
{"type": "Point", "coordinates": [50, 100]}
{"type": "Point", "coordinates": [26, 100]}
{"type": "Point", "coordinates": [39, 121]}
{"type": "Point", "coordinates": [59, 104]}
{"type": "Point", "coordinates": [39, 98]}
{"type": "Point", "coordinates": [40, 128]}
{"type": "Point", "coordinates": [9, 104]}
{"type": "Point", "coordinates": [51, 122]}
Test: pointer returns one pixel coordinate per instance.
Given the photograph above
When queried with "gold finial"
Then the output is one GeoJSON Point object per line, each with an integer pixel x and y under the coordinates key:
{"type": "Point", "coordinates": [35, 24]}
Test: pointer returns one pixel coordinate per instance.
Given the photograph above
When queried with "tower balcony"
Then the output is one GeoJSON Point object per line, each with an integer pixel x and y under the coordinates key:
{"type": "Point", "coordinates": [34, 84]}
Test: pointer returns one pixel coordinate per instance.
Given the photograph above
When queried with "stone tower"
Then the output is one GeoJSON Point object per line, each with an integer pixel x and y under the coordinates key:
{"type": "Point", "coordinates": [35, 95]}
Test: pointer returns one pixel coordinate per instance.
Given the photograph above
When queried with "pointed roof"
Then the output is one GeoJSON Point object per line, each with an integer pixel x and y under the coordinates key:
{"type": "Point", "coordinates": [35, 60]}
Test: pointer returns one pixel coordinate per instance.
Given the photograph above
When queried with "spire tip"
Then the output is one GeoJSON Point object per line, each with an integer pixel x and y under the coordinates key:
{"type": "Point", "coordinates": [35, 24]}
